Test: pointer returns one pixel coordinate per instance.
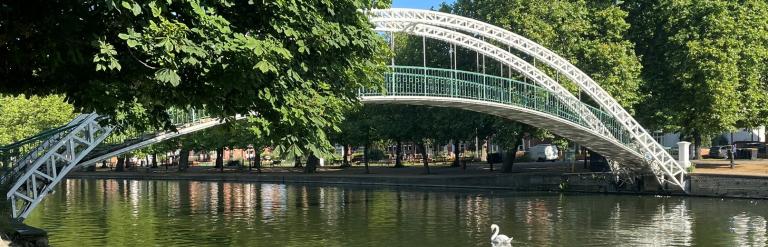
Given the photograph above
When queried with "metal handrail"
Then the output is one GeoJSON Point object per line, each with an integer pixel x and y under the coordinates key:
{"type": "Point", "coordinates": [421, 81]}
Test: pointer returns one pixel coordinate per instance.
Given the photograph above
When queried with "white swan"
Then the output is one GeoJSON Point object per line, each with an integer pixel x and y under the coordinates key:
{"type": "Point", "coordinates": [498, 240]}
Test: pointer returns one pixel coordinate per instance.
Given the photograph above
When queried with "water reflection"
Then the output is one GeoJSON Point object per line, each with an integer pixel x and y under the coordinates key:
{"type": "Point", "coordinates": [750, 230]}
{"type": "Point", "coordinates": [180, 213]}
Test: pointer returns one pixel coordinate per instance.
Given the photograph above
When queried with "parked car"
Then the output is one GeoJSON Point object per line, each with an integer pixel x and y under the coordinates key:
{"type": "Point", "coordinates": [543, 152]}
{"type": "Point", "coordinates": [719, 152]}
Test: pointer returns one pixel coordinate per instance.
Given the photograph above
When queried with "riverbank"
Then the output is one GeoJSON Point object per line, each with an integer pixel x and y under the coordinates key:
{"type": "Point", "coordinates": [525, 177]}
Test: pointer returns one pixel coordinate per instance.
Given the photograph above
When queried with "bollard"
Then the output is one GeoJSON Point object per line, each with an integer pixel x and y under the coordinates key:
{"type": "Point", "coordinates": [683, 152]}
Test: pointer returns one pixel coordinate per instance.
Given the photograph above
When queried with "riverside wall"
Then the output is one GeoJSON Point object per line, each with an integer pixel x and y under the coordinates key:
{"type": "Point", "coordinates": [733, 186]}
{"type": "Point", "coordinates": [710, 185]}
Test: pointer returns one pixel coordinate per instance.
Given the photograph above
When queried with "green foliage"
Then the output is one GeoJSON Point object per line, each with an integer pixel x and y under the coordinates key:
{"type": "Point", "coordinates": [22, 117]}
{"type": "Point", "coordinates": [419, 124]}
{"type": "Point", "coordinates": [296, 63]}
{"type": "Point", "coordinates": [590, 34]}
{"type": "Point", "coordinates": [705, 63]}
{"type": "Point", "coordinates": [357, 127]}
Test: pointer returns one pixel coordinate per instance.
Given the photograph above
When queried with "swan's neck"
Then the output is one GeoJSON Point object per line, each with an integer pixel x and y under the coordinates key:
{"type": "Point", "coordinates": [495, 233]}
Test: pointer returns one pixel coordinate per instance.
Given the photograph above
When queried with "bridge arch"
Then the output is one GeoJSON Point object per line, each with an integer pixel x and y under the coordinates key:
{"type": "Point", "coordinates": [537, 76]}
{"type": "Point", "coordinates": [660, 162]}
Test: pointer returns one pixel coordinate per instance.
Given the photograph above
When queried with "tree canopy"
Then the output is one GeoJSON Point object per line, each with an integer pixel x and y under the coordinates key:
{"type": "Point", "coordinates": [22, 117]}
{"type": "Point", "coordinates": [296, 64]}
{"type": "Point", "coordinates": [705, 63]}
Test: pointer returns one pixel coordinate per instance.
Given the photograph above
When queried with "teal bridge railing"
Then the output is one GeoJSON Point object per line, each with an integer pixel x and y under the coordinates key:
{"type": "Point", "coordinates": [449, 83]}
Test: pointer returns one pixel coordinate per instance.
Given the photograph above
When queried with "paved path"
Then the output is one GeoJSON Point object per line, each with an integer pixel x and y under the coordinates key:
{"type": "Point", "coordinates": [721, 166]}
{"type": "Point", "coordinates": [412, 169]}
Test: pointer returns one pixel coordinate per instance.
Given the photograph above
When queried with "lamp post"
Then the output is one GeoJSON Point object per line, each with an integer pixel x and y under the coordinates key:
{"type": "Point", "coordinates": [732, 151]}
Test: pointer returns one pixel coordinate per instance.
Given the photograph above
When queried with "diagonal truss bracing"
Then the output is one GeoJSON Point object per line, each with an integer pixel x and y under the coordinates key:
{"type": "Point", "coordinates": [36, 179]}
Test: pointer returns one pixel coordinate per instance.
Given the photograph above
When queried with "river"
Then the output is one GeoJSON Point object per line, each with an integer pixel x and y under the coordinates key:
{"type": "Point", "coordinates": [188, 213]}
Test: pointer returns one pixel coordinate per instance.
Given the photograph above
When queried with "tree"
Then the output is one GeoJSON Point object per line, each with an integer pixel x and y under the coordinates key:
{"type": "Point", "coordinates": [393, 122]}
{"type": "Point", "coordinates": [295, 63]}
{"type": "Point", "coordinates": [456, 125]}
{"type": "Point", "coordinates": [22, 117]}
{"type": "Point", "coordinates": [590, 34]}
{"type": "Point", "coordinates": [705, 64]}
{"type": "Point", "coordinates": [216, 138]}
{"type": "Point", "coordinates": [355, 130]}
{"type": "Point", "coordinates": [422, 125]}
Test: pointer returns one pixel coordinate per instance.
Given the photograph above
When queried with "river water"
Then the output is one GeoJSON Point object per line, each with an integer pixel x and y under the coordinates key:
{"type": "Point", "coordinates": [188, 213]}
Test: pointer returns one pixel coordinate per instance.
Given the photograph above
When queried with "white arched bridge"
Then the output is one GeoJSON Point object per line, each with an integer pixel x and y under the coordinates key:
{"type": "Point", "coordinates": [32, 167]}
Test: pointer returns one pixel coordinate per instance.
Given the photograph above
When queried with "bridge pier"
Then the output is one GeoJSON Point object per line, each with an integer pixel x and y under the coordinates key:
{"type": "Point", "coordinates": [651, 185]}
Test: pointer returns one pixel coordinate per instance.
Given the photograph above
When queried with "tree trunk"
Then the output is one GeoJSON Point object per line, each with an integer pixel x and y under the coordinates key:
{"type": "Point", "coordinates": [312, 162]}
{"type": "Point", "coordinates": [120, 166]}
{"type": "Point", "coordinates": [183, 159]}
{"type": "Point", "coordinates": [220, 158]}
{"type": "Point", "coordinates": [508, 160]}
{"type": "Point", "coordinates": [696, 145]}
{"type": "Point", "coordinates": [509, 156]}
{"type": "Point", "coordinates": [297, 162]}
{"type": "Point", "coordinates": [257, 162]}
{"type": "Point", "coordinates": [127, 163]}
{"type": "Point", "coordinates": [399, 155]}
{"type": "Point", "coordinates": [345, 157]}
{"type": "Point", "coordinates": [424, 157]}
{"type": "Point", "coordinates": [250, 163]}
{"type": "Point", "coordinates": [365, 156]}
{"type": "Point", "coordinates": [457, 155]}
{"type": "Point", "coordinates": [488, 142]}
{"type": "Point", "coordinates": [154, 160]}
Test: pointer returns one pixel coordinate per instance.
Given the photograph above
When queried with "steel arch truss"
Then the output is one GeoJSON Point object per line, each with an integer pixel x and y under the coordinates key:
{"type": "Point", "coordinates": [661, 163]}
{"type": "Point", "coordinates": [38, 172]}
{"type": "Point", "coordinates": [35, 180]}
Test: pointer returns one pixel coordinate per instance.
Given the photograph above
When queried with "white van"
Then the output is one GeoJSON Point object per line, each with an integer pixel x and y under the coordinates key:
{"type": "Point", "coordinates": [543, 152]}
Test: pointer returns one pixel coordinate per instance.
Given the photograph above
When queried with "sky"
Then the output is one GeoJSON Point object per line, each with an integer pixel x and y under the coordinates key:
{"type": "Point", "coordinates": [418, 4]}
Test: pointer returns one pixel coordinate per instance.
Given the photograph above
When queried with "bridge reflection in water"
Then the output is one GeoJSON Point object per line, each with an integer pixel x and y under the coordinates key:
{"type": "Point", "coordinates": [121, 212]}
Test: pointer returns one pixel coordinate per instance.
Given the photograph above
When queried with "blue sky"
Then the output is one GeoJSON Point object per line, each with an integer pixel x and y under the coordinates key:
{"type": "Point", "coordinates": [418, 4]}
